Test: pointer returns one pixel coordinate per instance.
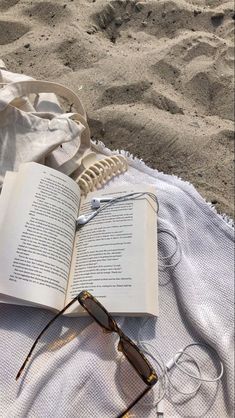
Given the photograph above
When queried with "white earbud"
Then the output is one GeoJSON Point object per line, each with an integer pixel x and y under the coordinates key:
{"type": "Point", "coordinates": [95, 202]}
{"type": "Point", "coordinates": [83, 219]}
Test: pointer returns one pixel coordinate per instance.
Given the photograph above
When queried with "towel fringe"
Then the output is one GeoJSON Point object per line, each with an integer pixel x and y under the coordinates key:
{"type": "Point", "coordinates": [139, 164]}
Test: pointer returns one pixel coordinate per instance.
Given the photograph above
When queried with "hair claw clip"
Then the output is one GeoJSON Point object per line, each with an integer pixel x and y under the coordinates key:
{"type": "Point", "coordinates": [98, 172]}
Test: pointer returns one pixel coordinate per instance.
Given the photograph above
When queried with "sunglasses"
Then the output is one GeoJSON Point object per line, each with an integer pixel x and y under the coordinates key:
{"type": "Point", "coordinates": [133, 354]}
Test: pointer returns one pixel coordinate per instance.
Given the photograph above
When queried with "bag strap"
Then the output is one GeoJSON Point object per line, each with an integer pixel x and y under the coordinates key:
{"type": "Point", "coordinates": [27, 87]}
{"type": "Point", "coordinates": [69, 166]}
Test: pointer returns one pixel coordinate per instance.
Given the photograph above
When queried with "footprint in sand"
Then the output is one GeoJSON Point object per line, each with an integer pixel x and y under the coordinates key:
{"type": "Point", "coordinates": [126, 93]}
{"type": "Point", "coordinates": [201, 72]}
{"type": "Point", "coordinates": [163, 19]}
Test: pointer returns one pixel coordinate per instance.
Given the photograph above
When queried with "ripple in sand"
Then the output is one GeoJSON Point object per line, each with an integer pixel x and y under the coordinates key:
{"type": "Point", "coordinates": [10, 31]}
{"type": "Point", "coordinates": [47, 12]}
{"type": "Point", "coordinates": [163, 102]}
{"type": "Point", "coordinates": [7, 4]}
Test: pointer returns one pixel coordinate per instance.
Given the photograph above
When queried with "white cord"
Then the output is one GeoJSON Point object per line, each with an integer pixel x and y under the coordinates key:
{"type": "Point", "coordinates": [176, 250]}
{"type": "Point", "coordinates": [84, 219]}
{"type": "Point", "coordinates": [127, 197]}
{"type": "Point", "coordinates": [164, 377]}
{"type": "Point", "coordinates": [202, 379]}
{"type": "Point", "coordinates": [171, 233]}
{"type": "Point", "coordinates": [137, 196]}
{"type": "Point", "coordinates": [160, 408]}
{"type": "Point", "coordinates": [169, 366]}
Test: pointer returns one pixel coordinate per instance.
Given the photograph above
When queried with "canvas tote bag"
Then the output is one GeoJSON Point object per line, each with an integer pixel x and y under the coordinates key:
{"type": "Point", "coordinates": [34, 127]}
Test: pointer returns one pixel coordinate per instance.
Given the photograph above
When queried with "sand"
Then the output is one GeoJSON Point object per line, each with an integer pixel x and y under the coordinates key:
{"type": "Point", "coordinates": [156, 77]}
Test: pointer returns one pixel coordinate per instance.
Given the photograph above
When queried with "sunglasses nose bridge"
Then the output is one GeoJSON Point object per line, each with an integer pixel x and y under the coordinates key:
{"type": "Point", "coordinates": [119, 347]}
{"type": "Point", "coordinates": [120, 342]}
{"type": "Point", "coordinates": [106, 331]}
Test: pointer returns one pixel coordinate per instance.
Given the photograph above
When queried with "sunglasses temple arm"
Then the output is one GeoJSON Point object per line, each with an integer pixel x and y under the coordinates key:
{"type": "Point", "coordinates": [41, 333]}
{"type": "Point", "coordinates": [122, 415]}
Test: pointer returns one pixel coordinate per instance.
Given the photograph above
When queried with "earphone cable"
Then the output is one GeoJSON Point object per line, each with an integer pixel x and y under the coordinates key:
{"type": "Point", "coordinates": [127, 197]}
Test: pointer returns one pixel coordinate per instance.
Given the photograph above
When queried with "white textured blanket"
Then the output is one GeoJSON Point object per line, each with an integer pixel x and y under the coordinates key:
{"type": "Point", "coordinates": [75, 370]}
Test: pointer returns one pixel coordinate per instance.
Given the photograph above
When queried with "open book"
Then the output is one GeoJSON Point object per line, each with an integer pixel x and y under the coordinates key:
{"type": "Point", "coordinates": [45, 261]}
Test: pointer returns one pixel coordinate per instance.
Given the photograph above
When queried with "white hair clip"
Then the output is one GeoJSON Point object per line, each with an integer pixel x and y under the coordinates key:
{"type": "Point", "coordinates": [98, 172]}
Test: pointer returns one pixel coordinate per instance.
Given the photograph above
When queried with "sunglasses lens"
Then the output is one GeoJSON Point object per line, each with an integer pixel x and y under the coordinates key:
{"type": "Point", "coordinates": [98, 313]}
{"type": "Point", "coordinates": [136, 359]}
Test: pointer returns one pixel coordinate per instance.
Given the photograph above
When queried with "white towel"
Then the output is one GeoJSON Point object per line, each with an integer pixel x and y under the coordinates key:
{"type": "Point", "coordinates": [75, 370]}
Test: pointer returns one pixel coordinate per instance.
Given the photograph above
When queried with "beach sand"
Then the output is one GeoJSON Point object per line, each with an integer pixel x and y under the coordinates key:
{"type": "Point", "coordinates": [156, 77]}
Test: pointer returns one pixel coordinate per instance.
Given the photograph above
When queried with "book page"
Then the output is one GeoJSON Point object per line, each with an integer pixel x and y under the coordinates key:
{"type": "Point", "coordinates": [37, 234]}
{"type": "Point", "coordinates": [115, 255]}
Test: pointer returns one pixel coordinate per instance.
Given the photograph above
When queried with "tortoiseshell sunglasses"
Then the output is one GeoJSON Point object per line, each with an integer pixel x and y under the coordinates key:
{"type": "Point", "coordinates": [125, 345]}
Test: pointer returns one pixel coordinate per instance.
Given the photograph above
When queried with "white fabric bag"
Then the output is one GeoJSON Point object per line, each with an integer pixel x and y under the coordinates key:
{"type": "Point", "coordinates": [33, 126]}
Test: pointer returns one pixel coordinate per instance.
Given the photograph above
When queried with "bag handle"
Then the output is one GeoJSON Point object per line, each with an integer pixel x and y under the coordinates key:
{"type": "Point", "coordinates": [27, 87]}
